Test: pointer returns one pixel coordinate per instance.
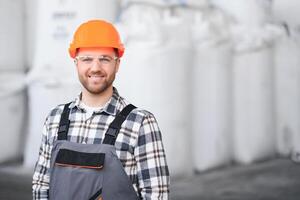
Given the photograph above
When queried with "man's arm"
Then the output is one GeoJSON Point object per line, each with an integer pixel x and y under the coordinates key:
{"type": "Point", "coordinates": [152, 169]}
{"type": "Point", "coordinates": [40, 182]}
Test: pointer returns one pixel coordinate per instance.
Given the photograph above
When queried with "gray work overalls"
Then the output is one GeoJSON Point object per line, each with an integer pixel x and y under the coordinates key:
{"type": "Point", "coordinates": [89, 171]}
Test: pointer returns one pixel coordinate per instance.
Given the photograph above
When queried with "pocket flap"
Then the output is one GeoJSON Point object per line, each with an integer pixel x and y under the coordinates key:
{"type": "Point", "coordinates": [97, 195]}
{"type": "Point", "coordinates": [66, 157]}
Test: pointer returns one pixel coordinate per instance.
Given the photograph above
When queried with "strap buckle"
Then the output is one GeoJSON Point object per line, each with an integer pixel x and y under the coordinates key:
{"type": "Point", "coordinates": [112, 132]}
{"type": "Point", "coordinates": [63, 128]}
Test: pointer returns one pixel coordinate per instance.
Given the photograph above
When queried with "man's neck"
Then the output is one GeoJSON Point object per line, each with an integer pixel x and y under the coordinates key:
{"type": "Point", "coordinates": [96, 100]}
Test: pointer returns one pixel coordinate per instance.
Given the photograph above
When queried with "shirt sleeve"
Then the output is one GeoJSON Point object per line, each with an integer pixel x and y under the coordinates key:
{"type": "Point", "coordinates": [40, 181]}
{"type": "Point", "coordinates": [152, 169]}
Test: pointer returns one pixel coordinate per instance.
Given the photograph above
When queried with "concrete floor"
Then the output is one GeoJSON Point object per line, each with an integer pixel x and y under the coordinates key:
{"type": "Point", "coordinates": [277, 179]}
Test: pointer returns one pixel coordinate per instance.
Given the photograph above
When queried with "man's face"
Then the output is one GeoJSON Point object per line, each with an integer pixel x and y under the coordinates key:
{"type": "Point", "coordinates": [97, 68]}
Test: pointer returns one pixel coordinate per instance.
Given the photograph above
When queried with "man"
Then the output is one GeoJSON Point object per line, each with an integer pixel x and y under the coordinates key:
{"type": "Point", "coordinates": [99, 146]}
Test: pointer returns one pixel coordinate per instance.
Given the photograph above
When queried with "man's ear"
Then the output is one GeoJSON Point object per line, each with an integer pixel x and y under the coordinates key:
{"type": "Point", "coordinates": [118, 64]}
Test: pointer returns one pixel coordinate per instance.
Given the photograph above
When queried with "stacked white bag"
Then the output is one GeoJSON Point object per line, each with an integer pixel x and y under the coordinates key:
{"type": "Point", "coordinates": [287, 79]}
{"type": "Point", "coordinates": [30, 31]}
{"type": "Point", "coordinates": [211, 88]}
{"type": "Point", "coordinates": [12, 106]}
{"type": "Point", "coordinates": [154, 74]}
{"type": "Point", "coordinates": [11, 35]}
{"type": "Point", "coordinates": [287, 82]}
{"type": "Point", "coordinates": [12, 96]}
{"type": "Point", "coordinates": [53, 79]}
{"type": "Point", "coordinates": [253, 122]}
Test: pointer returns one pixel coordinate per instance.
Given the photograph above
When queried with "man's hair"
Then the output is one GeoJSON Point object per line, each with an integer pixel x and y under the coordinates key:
{"type": "Point", "coordinates": [116, 52]}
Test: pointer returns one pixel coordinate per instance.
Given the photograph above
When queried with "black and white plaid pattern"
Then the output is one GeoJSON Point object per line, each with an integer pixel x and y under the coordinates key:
{"type": "Point", "coordinates": [139, 146]}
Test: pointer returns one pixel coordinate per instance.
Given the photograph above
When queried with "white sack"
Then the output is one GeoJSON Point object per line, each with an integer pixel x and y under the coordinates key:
{"type": "Point", "coordinates": [11, 35]}
{"type": "Point", "coordinates": [254, 137]}
{"type": "Point", "coordinates": [154, 75]}
{"type": "Point", "coordinates": [287, 83]}
{"type": "Point", "coordinates": [253, 114]}
{"type": "Point", "coordinates": [212, 139]}
{"type": "Point", "coordinates": [44, 96]}
{"type": "Point", "coordinates": [211, 97]}
{"type": "Point", "coordinates": [12, 106]}
{"type": "Point", "coordinates": [31, 28]}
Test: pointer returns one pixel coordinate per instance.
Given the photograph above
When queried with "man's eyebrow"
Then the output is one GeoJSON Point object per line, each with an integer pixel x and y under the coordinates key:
{"type": "Point", "coordinates": [104, 55]}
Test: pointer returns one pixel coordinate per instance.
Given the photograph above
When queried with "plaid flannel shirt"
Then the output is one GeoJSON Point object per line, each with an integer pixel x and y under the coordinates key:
{"type": "Point", "coordinates": [139, 146]}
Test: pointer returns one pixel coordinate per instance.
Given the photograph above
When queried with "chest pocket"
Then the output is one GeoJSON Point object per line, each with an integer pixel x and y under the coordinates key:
{"type": "Point", "coordinates": [70, 158]}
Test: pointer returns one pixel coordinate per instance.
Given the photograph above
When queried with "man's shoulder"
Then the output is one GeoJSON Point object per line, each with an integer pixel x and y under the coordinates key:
{"type": "Point", "coordinates": [140, 114]}
{"type": "Point", "coordinates": [143, 112]}
{"type": "Point", "coordinates": [57, 110]}
{"type": "Point", "coordinates": [55, 113]}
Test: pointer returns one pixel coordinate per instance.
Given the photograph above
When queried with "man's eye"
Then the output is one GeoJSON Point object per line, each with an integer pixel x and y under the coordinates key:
{"type": "Point", "coordinates": [104, 60]}
{"type": "Point", "coordinates": [87, 59]}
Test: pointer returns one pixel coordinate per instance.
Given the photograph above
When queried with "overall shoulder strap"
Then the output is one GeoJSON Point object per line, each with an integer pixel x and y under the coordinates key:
{"type": "Point", "coordinates": [114, 128]}
{"type": "Point", "coordinates": [64, 123]}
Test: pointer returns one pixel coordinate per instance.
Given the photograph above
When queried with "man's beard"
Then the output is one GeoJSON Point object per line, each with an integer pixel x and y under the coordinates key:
{"type": "Point", "coordinates": [101, 88]}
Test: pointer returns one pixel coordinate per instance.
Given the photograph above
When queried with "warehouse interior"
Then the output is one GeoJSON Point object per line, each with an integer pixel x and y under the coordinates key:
{"type": "Point", "coordinates": [221, 77]}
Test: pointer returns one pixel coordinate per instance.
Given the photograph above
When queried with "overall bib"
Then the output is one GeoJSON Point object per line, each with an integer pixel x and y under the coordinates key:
{"type": "Point", "coordinates": [89, 171]}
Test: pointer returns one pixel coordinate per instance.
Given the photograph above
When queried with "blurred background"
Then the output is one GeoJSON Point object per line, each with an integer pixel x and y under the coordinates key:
{"type": "Point", "coordinates": [221, 76]}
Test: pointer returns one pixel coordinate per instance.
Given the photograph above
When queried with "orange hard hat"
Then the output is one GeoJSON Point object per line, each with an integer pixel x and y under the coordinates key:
{"type": "Point", "coordinates": [96, 33]}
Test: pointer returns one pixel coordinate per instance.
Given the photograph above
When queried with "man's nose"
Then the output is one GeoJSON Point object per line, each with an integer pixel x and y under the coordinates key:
{"type": "Point", "coordinates": [96, 64]}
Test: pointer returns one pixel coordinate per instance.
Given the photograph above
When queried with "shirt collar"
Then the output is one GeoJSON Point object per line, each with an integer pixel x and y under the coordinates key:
{"type": "Point", "coordinates": [110, 107]}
